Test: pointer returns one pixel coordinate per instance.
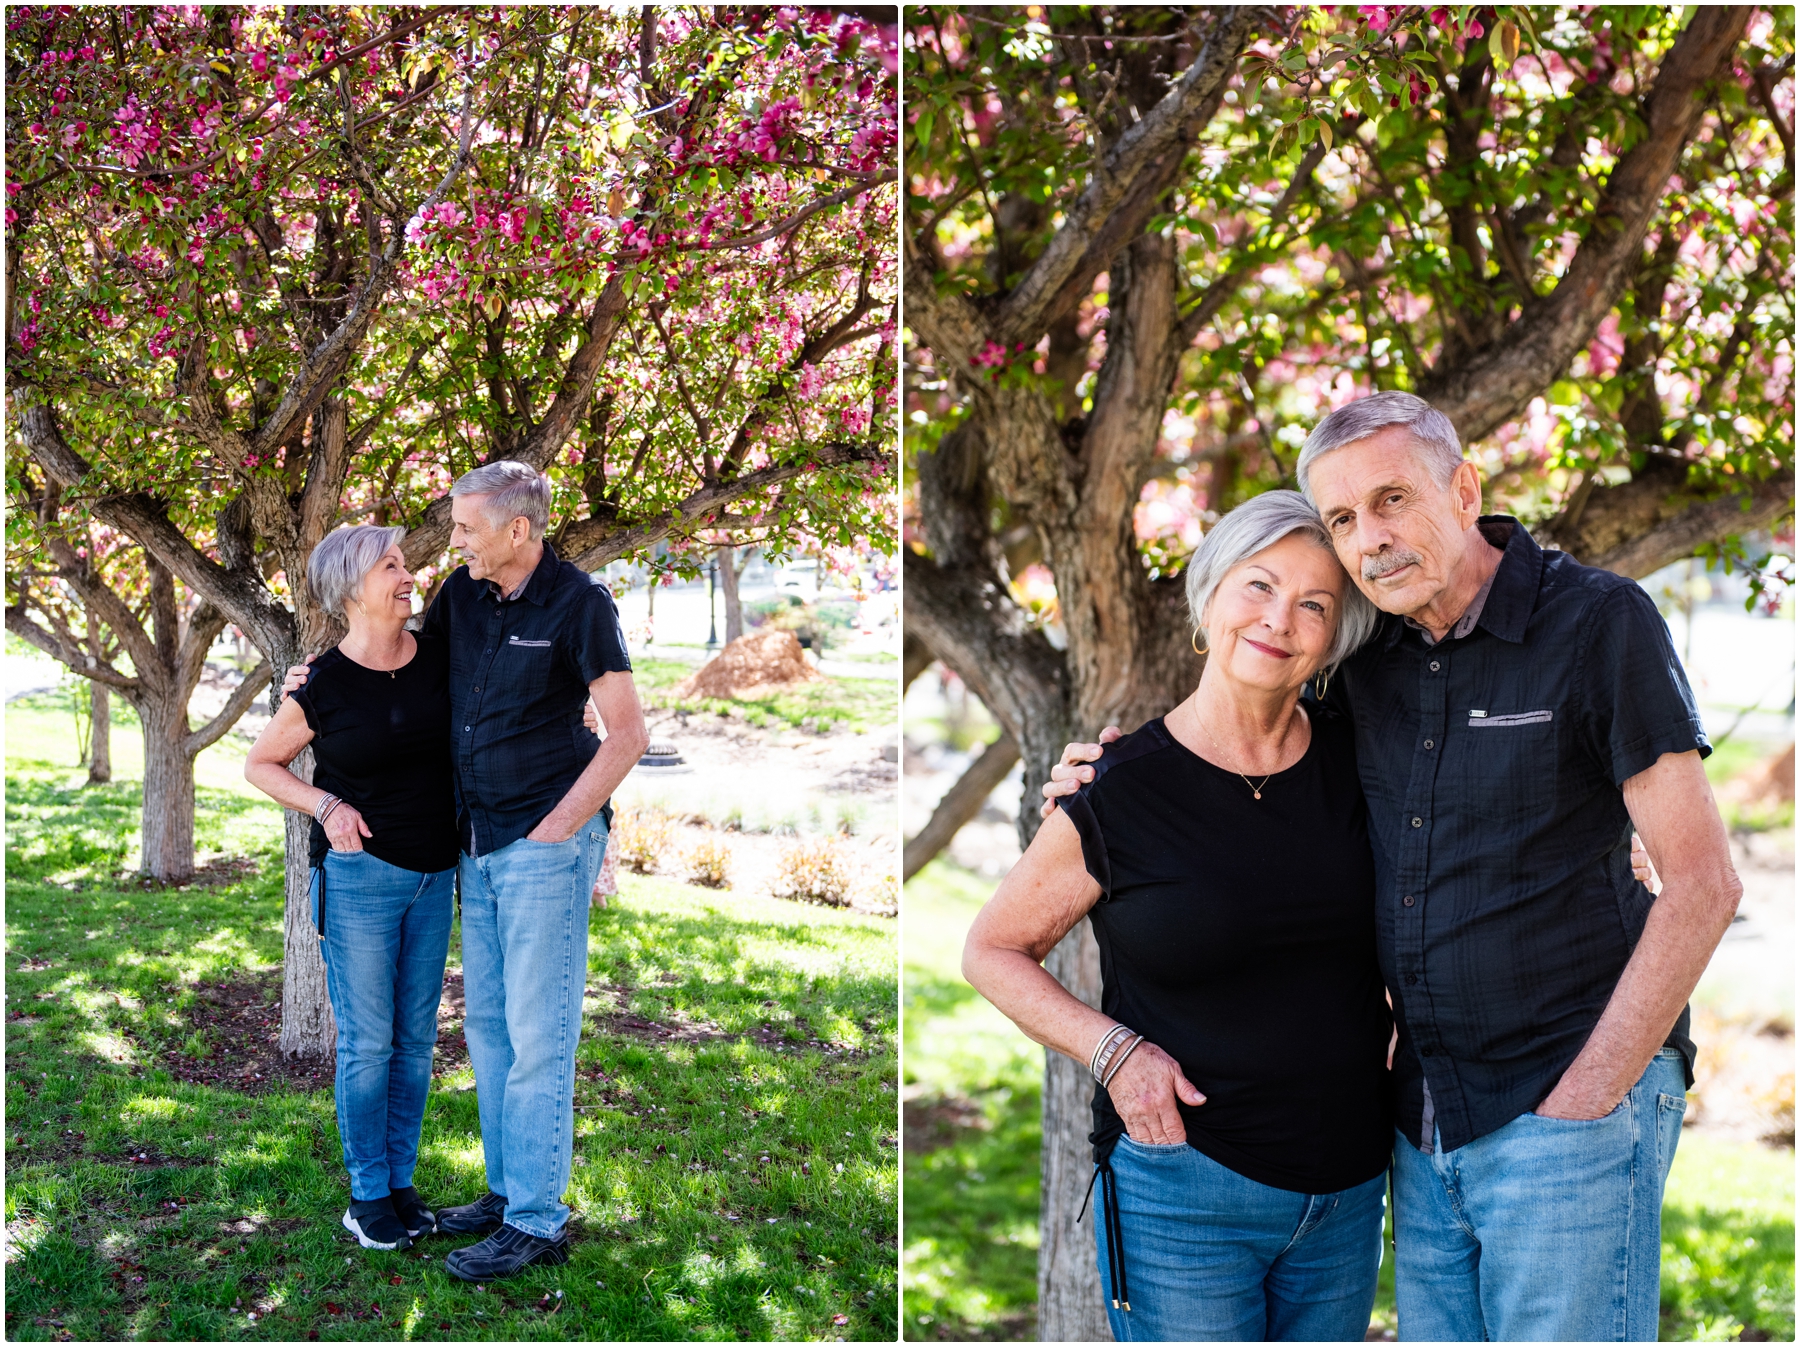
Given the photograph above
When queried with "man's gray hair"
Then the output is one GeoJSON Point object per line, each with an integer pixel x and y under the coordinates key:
{"type": "Point", "coordinates": [336, 568]}
{"type": "Point", "coordinates": [511, 489]}
{"type": "Point", "coordinates": [1439, 449]}
{"type": "Point", "coordinates": [1260, 522]}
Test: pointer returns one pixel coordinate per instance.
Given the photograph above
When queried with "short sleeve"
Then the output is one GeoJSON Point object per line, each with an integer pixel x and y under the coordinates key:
{"type": "Point", "coordinates": [596, 640]}
{"type": "Point", "coordinates": [1635, 695]}
{"type": "Point", "coordinates": [303, 697]}
{"type": "Point", "coordinates": [1080, 809]}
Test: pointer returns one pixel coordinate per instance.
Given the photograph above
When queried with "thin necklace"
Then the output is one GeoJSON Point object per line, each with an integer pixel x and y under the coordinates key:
{"type": "Point", "coordinates": [391, 673]}
{"type": "Point", "coordinates": [1256, 789]}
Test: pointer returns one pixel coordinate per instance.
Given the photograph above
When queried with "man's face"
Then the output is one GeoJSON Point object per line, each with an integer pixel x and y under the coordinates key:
{"type": "Point", "coordinates": [1396, 531]}
{"type": "Point", "coordinates": [485, 549]}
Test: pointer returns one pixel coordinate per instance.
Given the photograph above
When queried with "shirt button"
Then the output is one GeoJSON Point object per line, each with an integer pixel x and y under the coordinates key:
{"type": "Point", "coordinates": [1434, 666]}
{"type": "Point", "coordinates": [1412, 979]}
{"type": "Point", "coordinates": [1407, 901]}
{"type": "Point", "coordinates": [1418, 823]}
{"type": "Point", "coordinates": [1424, 1052]}
{"type": "Point", "coordinates": [1427, 742]}
{"type": "Point", "coordinates": [465, 729]}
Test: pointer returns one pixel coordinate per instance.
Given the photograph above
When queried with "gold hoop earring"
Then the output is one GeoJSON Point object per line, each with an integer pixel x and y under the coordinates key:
{"type": "Point", "coordinates": [1194, 641]}
{"type": "Point", "coordinates": [1320, 683]}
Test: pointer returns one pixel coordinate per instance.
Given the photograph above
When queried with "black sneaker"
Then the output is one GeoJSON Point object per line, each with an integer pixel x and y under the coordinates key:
{"type": "Point", "coordinates": [376, 1225]}
{"type": "Point", "coordinates": [483, 1216]}
{"type": "Point", "coordinates": [510, 1250]}
{"type": "Point", "coordinates": [418, 1218]}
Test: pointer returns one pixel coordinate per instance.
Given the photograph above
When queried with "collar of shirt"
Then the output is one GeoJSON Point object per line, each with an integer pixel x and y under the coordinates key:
{"type": "Point", "coordinates": [1503, 605]}
{"type": "Point", "coordinates": [535, 586]}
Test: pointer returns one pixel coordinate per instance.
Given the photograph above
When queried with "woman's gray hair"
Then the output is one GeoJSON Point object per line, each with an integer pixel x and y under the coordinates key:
{"type": "Point", "coordinates": [511, 489]}
{"type": "Point", "coordinates": [1439, 449]}
{"type": "Point", "coordinates": [336, 568]}
{"type": "Point", "coordinates": [1261, 522]}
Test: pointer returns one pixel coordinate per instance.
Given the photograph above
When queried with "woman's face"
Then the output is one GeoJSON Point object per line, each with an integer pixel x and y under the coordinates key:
{"type": "Point", "coordinates": [1273, 617]}
{"type": "Point", "coordinates": [387, 588]}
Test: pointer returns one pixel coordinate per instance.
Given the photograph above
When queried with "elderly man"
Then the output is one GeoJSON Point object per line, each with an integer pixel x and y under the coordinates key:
{"type": "Point", "coordinates": [531, 640]}
{"type": "Point", "coordinates": [1517, 713]}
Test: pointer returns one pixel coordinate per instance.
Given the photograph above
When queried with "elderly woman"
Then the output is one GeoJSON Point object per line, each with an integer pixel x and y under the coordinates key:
{"type": "Point", "coordinates": [376, 712]}
{"type": "Point", "coordinates": [1242, 1113]}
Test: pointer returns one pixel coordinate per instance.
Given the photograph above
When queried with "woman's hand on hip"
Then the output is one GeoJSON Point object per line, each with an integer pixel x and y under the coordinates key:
{"type": "Point", "coordinates": [346, 828]}
{"type": "Point", "coordinates": [1144, 1092]}
{"type": "Point", "coordinates": [1072, 772]}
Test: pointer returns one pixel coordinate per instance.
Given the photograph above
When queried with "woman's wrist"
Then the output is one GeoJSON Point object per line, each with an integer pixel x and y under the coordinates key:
{"type": "Point", "coordinates": [1105, 1057]}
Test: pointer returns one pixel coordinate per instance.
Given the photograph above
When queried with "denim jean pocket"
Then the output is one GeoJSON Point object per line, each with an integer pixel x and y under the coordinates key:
{"type": "Point", "coordinates": [1154, 1147]}
{"type": "Point", "coordinates": [1618, 1111]}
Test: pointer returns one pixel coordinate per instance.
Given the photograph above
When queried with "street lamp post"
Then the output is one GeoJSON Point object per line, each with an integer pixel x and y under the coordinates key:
{"type": "Point", "coordinates": [712, 620]}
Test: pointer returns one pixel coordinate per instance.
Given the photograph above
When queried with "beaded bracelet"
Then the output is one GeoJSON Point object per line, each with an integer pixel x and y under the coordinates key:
{"type": "Point", "coordinates": [1129, 1049]}
{"type": "Point", "coordinates": [326, 799]}
{"type": "Point", "coordinates": [1100, 1047]}
{"type": "Point", "coordinates": [326, 815]}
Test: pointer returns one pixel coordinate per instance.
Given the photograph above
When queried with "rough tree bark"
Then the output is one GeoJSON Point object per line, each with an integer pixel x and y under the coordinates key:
{"type": "Point", "coordinates": [168, 657]}
{"type": "Point", "coordinates": [731, 572]}
{"type": "Point", "coordinates": [1077, 481]}
{"type": "Point", "coordinates": [100, 718]}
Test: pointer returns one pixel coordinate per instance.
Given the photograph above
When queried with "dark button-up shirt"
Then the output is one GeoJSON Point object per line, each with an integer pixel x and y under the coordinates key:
{"type": "Point", "coordinates": [519, 675]}
{"type": "Point", "coordinates": [1493, 762]}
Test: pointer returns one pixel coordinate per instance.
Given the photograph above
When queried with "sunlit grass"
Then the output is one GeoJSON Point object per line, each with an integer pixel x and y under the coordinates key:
{"type": "Point", "coordinates": [740, 1183]}
{"type": "Point", "coordinates": [858, 704]}
{"type": "Point", "coordinates": [970, 1252]}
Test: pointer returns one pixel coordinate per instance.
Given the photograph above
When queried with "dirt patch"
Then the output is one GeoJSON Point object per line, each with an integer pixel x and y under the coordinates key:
{"type": "Point", "coordinates": [756, 665]}
{"type": "Point", "coordinates": [452, 1047]}
{"type": "Point", "coordinates": [240, 1021]}
{"type": "Point", "coordinates": [622, 1022]}
{"type": "Point", "coordinates": [930, 1124]}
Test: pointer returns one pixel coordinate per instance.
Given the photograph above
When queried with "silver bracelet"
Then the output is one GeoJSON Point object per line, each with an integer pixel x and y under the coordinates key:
{"type": "Point", "coordinates": [329, 810]}
{"type": "Point", "coordinates": [1130, 1048]}
{"type": "Point", "coordinates": [322, 807]}
{"type": "Point", "coordinates": [1094, 1056]}
{"type": "Point", "coordinates": [1109, 1047]}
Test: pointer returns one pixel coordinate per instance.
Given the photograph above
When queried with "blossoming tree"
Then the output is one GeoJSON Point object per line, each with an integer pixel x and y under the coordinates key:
{"type": "Point", "coordinates": [1147, 248]}
{"type": "Point", "coordinates": [272, 269]}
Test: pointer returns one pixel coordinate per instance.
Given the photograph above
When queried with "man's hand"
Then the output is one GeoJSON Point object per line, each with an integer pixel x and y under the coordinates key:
{"type": "Point", "coordinates": [548, 833]}
{"type": "Point", "coordinates": [591, 718]}
{"type": "Point", "coordinates": [346, 829]}
{"type": "Point", "coordinates": [1071, 773]}
{"type": "Point", "coordinates": [1641, 868]}
{"type": "Point", "coordinates": [297, 676]}
{"type": "Point", "coordinates": [1144, 1092]}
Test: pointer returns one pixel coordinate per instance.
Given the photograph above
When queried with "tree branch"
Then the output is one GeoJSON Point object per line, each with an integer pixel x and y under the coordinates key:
{"type": "Point", "coordinates": [233, 710]}
{"type": "Point", "coordinates": [1496, 384]}
{"type": "Point", "coordinates": [961, 803]}
{"type": "Point", "coordinates": [1125, 189]}
{"type": "Point", "coordinates": [592, 543]}
{"type": "Point", "coordinates": [19, 623]}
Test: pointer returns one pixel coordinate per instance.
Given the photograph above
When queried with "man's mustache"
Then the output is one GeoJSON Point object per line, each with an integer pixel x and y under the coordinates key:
{"type": "Point", "coordinates": [1386, 563]}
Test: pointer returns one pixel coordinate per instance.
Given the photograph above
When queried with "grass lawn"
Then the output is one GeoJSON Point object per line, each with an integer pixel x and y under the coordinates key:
{"type": "Point", "coordinates": [859, 704]}
{"type": "Point", "coordinates": [735, 1170]}
{"type": "Point", "coordinates": [969, 1261]}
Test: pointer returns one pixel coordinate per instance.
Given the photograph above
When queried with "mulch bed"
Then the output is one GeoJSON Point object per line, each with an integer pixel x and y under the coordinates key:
{"type": "Point", "coordinates": [240, 1018]}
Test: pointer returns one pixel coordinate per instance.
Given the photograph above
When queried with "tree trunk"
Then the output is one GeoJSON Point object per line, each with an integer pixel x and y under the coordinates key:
{"type": "Point", "coordinates": [168, 814]}
{"type": "Point", "coordinates": [729, 574]}
{"type": "Point", "coordinates": [100, 735]}
{"type": "Point", "coordinates": [1071, 1307]}
{"type": "Point", "coordinates": [961, 803]}
{"type": "Point", "coordinates": [307, 1026]}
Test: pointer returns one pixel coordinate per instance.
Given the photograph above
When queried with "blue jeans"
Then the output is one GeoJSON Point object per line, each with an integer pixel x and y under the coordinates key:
{"type": "Point", "coordinates": [1211, 1256]}
{"type": "Point", "coordinates": [387, 931]}
{"type": "Point", "coordinates": [525, 932]}
{"type": "Point", "coordinates": [1546, 1230]}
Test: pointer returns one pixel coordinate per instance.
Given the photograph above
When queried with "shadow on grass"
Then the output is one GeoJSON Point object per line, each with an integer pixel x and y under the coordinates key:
{"type": "Point", "coordinates": [738, 1186]}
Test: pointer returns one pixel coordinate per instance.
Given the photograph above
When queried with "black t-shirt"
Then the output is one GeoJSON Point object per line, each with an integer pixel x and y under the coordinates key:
{"type": "Point", "coordinates": [1238, 935]}
{"type": "Point", "coordinates": [382, 743]}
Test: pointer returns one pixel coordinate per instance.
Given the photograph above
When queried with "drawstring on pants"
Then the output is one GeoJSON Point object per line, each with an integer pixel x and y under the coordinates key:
{"type": "Point", "coordinates": [1112, 1227]}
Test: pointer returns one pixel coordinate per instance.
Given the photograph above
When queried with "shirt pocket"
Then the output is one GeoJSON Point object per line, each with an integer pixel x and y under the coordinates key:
{"type": "Point", "coordinates": [1511, 758]}
{"type": "Point", "coordinates": [525, 667]}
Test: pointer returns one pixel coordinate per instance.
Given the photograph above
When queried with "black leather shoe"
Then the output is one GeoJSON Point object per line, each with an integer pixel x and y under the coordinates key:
{"type": "Point", "coordinates": [507, 1252]}
{"type": "Point", "coordinates": [418, 1218]}
{"type": "Point", "coordinates": [376, 1225]}
{"type": "Point", "coordinates": [483, 1216]}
